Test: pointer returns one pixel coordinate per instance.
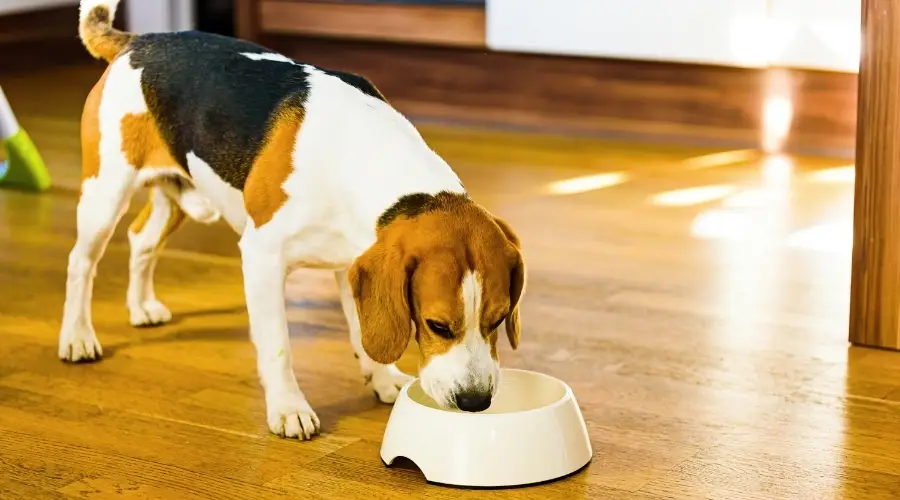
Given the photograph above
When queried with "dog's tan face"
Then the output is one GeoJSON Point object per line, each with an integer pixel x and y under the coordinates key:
{"type": "Point", "coordinates": [452, 276]}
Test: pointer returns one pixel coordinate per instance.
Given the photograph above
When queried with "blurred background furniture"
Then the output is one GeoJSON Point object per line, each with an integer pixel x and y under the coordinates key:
{"type": "Point", "coordinates": [19, 6]}
{"type": "Point", "coordinates": [23, 20]}
{"type": "Point", "coordinates": [38, 32]}
{"type": "Point", "coordinates": [657, 70]}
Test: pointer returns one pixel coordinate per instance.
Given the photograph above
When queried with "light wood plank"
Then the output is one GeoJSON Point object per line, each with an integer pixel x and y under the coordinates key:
{"type": "Point", "coordinates": [708, 365]}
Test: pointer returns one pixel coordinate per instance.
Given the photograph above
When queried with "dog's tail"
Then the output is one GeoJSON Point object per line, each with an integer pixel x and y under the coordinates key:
{"type": "Point", "coordinates": [96, 30]}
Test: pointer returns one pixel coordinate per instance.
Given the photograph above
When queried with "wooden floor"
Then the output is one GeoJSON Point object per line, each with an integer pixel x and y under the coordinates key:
{"type": "Point", "coordinates": [696, 302]}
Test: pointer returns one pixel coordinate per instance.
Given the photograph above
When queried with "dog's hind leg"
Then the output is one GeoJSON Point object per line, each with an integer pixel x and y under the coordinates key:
{"type": "Point", "coordinates": [171, 200]}
{"type": "Point", "coordinates": [104, 199]}
{"type": "Point", "coordinates": [147, 234]}
{"type": "Point", "coordinates": [117, 140]}
{"type": "Point", "coordinates": [108, 183]}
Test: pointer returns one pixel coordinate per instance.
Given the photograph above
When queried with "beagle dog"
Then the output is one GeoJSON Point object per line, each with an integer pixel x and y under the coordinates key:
{"type": "Point", "coordinates": [311, 168]}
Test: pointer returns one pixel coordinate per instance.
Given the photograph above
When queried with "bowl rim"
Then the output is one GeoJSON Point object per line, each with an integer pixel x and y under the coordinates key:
{"type": "Point", "coordinates": [567, 396]}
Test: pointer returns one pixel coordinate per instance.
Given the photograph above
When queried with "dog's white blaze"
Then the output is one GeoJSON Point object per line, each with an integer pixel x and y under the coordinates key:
{"type": "Point", "coordinates": [483, 370]}
{"type": "Point", "coordinates": [467, 365]}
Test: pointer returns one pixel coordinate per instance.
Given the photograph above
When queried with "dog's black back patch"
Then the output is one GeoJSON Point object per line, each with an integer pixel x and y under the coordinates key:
{"type": "Point", "coordinates": [361, 84]}
{"type": "Point", "coordinates": [211, 100]}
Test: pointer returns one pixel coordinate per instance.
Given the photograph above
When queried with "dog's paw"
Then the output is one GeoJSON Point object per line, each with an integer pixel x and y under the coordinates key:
{"type": "Point", "coordinates": [290, 416]}
{"type": "Point", "coordinates": [79, 345]}
{"type": "Point", "coordinates": [386, 381]}
{"type": "Point", "coordinates": [149, 313]}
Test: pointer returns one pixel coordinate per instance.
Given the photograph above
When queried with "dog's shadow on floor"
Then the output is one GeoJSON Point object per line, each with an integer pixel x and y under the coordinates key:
{"type": "Point", "coordinates": [237, 333]}
{"type": "Point", "coordinates": [145, 335]}
{"type": "Point", "coordinates": [178, 318]}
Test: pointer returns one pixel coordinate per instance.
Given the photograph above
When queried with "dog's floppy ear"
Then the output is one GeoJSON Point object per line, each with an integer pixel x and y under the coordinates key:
{"type": "Point", "coordinates": [380, 280]}
{"type": "Point", "coordinates": [516, 284]}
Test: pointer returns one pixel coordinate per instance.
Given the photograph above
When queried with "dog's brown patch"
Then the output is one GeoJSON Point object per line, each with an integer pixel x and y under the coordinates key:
{"type": "Point", "coordinates": [492, 340]}
{"type": "Point", "coordinates": [174, 221]}
{"type": "Point", "coordinates": [263, 192]}
{"type": "Point", "coordinates": [90, 130]}
{"type": "Point", "coordinates": [516, 284]}
{"type": "Point", "coordinates": [380, 280]}
{"type": "Point", "coordinates": [139, 222]}
{"type": "Point", "coordinates": [142, 143]}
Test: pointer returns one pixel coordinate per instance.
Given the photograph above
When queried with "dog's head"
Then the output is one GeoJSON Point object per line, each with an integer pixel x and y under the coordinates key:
{"type": "Point", "coordinates": [445, 269]}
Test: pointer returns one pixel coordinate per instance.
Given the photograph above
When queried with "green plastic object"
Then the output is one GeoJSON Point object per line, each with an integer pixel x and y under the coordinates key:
{"type": "Point", "coordinates": [24, 168]}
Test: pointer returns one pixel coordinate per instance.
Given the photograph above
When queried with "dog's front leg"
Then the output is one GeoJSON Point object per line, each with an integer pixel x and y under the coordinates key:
{"type": "Point", "coordinates": [288, 413]}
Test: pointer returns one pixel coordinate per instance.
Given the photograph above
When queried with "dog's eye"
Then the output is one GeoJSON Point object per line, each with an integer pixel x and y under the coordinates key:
{"type": "Point", "coordinates": [440, 329]}
{"type": "Point", "coordinates": [497, 324]}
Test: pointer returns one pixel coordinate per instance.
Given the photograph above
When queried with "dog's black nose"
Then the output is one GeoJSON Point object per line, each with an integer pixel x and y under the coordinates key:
{"type": "Point", "coordinates": [473, 401]}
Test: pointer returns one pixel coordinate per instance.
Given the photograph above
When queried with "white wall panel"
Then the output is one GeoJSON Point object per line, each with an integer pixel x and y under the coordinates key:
{"type": "Point", "coordinates": [706, 31]}
{"type": "Point", "coordinates": [153, 16]}
{"type": "Point", "coordinates": [815, 34]}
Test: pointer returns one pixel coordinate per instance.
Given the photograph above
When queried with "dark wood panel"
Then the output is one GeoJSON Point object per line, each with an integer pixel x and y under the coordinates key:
{"type": "Point", "coordinates": [646, 100]}
{"type": "Point", "coordinates": [246, 19]}
{"type": "Point", "coordinates": [43, 38]}
{"type": "Point", "coordinates": [452, 25]}
{"type": "Point", "coordinates": [40, 24]}
{"type": "Point", "coordinates": [33, 55]}
{"type": "Point", "coordinates": [824, 111]}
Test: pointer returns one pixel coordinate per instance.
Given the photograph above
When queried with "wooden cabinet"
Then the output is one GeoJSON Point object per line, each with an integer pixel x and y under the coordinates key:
{"type": "Point", "coordinates": [26, 21]}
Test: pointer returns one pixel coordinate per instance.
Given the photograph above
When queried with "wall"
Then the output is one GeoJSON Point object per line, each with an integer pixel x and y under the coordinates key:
{"type": "Point", "coordinates": [817, 34]}
{"type": "Point", "coordinates": [148, 16]}
{"type": "Point", "coordinates": [811, 34]}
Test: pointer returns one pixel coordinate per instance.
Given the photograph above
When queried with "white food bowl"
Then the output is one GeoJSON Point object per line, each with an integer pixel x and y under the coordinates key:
{"type": "Point", "coordinates": [532, 433]}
